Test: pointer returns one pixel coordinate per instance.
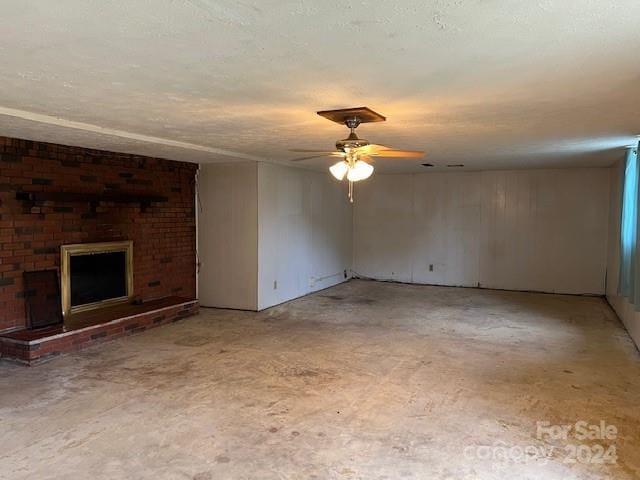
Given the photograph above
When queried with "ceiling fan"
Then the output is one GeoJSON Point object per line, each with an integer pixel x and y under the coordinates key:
{"type": "Point", "coordinates": [354, 151]}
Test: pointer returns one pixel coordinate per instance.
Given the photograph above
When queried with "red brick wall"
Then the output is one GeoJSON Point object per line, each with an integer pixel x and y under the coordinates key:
{"type": "Point", "coordinates": [31, 235]}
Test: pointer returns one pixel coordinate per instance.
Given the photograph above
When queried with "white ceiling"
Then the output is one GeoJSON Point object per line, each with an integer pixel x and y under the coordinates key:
{"type": "Point", "coordinates": [491, 84]}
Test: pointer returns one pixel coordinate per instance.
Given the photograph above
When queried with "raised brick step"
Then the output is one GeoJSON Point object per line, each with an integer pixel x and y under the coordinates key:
{"type": "Point", "coordinates": [35, 346]}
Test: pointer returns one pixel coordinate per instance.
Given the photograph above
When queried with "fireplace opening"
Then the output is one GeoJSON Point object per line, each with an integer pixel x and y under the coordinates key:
{"type": "Point", "coordinates": [98, 276]}
{"type": "Point", "coordinates": [95, 275]}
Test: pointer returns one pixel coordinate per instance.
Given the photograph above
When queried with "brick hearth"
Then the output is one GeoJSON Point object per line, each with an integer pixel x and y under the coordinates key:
{"type": "Point", "coordinates": [36, 346]}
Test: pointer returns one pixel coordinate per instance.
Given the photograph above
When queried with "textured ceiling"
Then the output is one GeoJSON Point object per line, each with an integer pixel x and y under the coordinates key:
{"type": "Point", "coordinates": [491, 84]}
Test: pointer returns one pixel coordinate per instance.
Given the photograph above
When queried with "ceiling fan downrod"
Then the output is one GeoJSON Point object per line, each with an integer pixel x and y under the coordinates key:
{"type": "Point", "coordinates": [352, 141]}
{"type": "Point", "coordinates": [352, 123]}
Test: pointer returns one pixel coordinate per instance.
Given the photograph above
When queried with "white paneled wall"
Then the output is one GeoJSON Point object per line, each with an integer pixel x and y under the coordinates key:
{"type": "Point", "coordinates": [228, 235]}
{"type": "Point", "coordinates": [304, 233]}
{"type": "Point", "coordinates": [271, 233]}
{"type": "Point", "coordinates": [446, 236]}
{"type": "Point", "coordinates": [543, 230]}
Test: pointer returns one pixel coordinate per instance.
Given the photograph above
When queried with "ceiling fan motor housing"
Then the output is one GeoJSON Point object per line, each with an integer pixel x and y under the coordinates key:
{"type": "Point", "coordinates": [351, 142]}
{"type": "Point", "coordinates": [352, 117]}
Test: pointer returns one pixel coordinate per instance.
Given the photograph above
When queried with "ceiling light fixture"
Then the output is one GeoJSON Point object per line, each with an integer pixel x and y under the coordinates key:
{"type": "Point", "coordinates": [353, 149]}
{"type": "Point", "coordinates": [354, 169]}
{"type": "Point", "coordinates": [360, 171]}
{"type": "Point", "coordinates": [339, 170]}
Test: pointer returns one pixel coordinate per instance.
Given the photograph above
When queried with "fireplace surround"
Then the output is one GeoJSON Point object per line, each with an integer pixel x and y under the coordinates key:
{"type": "Point", "coordinates": [95, 275]}
{"type": "Point", "coordinates": [80, 196]}
{"type": "Point", "coordinates": [53, 196]}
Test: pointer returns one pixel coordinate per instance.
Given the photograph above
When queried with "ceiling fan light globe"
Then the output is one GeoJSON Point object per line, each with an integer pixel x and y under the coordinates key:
{"type": "Point", "coordinates": [360, 171]}
{"type": "Point", "coordinates": [339, 170]}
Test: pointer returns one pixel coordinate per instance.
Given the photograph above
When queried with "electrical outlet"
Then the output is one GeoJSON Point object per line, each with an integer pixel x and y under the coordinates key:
{"type": "Point", "coordinates": [431, 267]}
{"type": "Point", "coordinates": [275, 284]}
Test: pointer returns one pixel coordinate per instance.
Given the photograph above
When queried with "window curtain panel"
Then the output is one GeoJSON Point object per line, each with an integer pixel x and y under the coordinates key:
{"type": "Point", "coordinates": [629, 281]}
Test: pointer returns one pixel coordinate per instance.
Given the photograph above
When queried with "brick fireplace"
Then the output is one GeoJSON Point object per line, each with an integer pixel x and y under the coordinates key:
{"type": "Point", "coordinates": [52, 195]}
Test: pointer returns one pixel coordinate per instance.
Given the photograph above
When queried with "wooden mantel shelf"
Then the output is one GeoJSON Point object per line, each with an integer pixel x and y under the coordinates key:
{"type": "Point", "coordinates": [73, 197]}
{"type": "Point", "coordinates": [92, 199]}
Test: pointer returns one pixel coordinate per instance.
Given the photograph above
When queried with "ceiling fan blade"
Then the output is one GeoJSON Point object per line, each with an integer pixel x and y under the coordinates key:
{"type": "Point", "coordinates": [398, 153]}
{"type": "Point", "coordinates": [384, 151]}
{"type": "Point", "coordinates": [377, 146]}
{"type": "Point", "coordinates": [369, 149]}
{"type": "Point", "coordinates": [301, 159]}
{"type": "Point", "coordinates": [309, 150]}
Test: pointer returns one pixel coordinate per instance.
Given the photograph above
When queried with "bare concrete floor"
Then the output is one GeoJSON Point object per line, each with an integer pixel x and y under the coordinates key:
{"type": "Point", "coordinates": [362, 381]}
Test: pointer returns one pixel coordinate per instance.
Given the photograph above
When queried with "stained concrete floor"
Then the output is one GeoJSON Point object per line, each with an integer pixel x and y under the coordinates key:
{"type": "Point", "coordinates": [362, 381]}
